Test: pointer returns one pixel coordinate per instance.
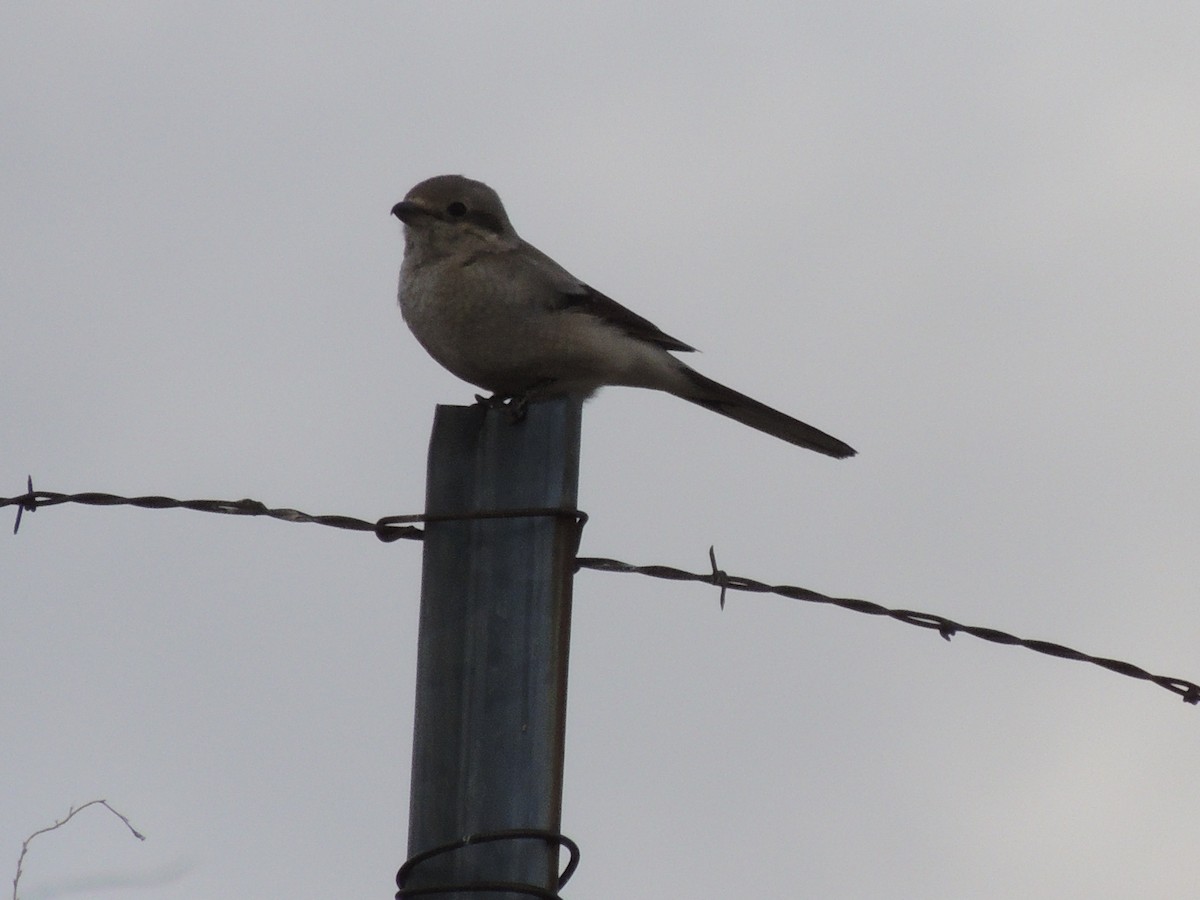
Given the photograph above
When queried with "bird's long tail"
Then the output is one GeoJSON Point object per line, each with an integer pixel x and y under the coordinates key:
{"type": "Point", "coordinates": [728, 402]}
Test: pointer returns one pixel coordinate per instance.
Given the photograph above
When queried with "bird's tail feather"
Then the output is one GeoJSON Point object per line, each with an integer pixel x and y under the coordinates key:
{"type": "Point", "coordinates": [728, 402]}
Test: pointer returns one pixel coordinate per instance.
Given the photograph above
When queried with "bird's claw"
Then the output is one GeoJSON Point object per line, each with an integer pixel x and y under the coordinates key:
{"type": "Point", "coordinates": [514, 405]}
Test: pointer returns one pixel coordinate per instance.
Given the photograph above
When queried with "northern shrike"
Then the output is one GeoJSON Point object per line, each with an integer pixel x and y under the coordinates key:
{"type": "Point", "coordinates": [499, 313]}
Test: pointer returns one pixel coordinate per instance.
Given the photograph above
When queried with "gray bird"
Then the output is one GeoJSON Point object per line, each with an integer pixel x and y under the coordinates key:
{"type": "Point", "coordinates": [502, 315]}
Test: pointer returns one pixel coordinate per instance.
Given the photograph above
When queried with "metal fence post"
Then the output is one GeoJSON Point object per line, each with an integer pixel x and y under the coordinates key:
{"type": "Point", "coordinates": [492, 652]}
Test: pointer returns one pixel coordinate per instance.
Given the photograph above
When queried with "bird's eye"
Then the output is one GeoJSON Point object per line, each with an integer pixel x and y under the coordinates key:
{"type": "Point", "coordinates": [457, 210]}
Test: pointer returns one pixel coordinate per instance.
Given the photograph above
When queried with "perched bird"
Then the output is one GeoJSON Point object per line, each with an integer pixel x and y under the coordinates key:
{"type": "Point", "coordinates": [499, 313]}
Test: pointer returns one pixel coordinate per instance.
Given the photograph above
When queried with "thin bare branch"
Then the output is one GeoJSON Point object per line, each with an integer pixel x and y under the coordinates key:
{"type": "Point", "coordinates": [61, 822]}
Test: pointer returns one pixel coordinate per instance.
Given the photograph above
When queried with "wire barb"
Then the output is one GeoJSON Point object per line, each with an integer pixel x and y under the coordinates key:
{"type": "Point", "coordinates": [29, 504]}
{"type": "Point", "coordinates": [392, 528]}
{"type": "Point", "coordinates": [718, 576]}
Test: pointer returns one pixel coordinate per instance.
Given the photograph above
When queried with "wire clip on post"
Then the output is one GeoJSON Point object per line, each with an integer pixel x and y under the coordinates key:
{"type": "Point", "coordinates": [492, 887]}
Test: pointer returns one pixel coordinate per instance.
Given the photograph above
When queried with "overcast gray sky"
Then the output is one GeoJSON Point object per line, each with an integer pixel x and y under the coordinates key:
{"type": "Point", "coordinates": [962, 237]}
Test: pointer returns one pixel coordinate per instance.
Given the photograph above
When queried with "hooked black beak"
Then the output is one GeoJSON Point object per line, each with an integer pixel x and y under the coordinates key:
{"type": "Point", "coordinates": [406, 211]}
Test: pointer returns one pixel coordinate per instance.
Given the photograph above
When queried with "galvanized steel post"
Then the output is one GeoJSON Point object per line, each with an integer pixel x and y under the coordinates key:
{"type": "Point", "coordinates": [488, 735]}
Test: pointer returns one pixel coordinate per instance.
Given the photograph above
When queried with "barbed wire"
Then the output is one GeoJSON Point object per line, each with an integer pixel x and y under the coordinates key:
{"type": "Point", "coordinates": [947, 628]}
{"type": "Point", "coordinates": [392, 528]}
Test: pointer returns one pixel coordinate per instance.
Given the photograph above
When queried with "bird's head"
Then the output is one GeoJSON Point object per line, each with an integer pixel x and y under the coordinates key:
{"type": "Point", "coordinates": [449, 213]}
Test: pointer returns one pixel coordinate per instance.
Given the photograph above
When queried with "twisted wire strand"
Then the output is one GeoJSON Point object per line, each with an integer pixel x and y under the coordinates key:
{"type": "Point", "coordinates": [392, 528]}
{"type": "Point", "coordinates": [947, 628]}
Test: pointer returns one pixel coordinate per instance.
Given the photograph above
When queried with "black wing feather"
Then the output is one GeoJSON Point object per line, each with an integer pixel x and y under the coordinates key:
{"type": "Point", "coordinates": [591, 301]}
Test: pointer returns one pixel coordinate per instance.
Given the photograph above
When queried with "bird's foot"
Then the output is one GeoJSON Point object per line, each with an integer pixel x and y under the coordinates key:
{"type": "Point", "coordinates": [514, 405]}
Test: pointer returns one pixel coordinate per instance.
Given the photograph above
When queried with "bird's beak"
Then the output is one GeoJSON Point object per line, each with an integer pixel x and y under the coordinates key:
{"type": "Point", "coordinates": [406, 211]}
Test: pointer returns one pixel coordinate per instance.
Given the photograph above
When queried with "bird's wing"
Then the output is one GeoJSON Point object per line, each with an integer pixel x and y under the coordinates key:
{"type": "Point", "coordinates": [571, 294]}
{"type": "Point", "coordinates": [591, 301]}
